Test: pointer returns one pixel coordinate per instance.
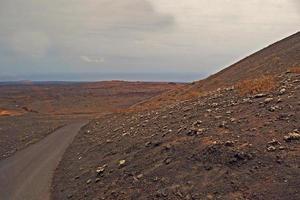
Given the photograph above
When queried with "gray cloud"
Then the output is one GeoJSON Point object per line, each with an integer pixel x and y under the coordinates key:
{"type": "Point", "coordinates": [43, 36]}
{"type": "Point", "coordinates": [297, 3]}
{"type": "Point", "coordinates": [30, 43]}
{"type": "Point", "coordinates": [33, 26]}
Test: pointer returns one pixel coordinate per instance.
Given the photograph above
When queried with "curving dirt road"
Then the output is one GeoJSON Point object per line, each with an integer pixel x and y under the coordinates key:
{"type": "Point", "coordinates": [27, 175]}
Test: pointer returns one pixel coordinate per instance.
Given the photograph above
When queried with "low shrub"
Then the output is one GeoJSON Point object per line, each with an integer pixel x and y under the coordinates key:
{"type": "Point", "coordinates": [255, 86]}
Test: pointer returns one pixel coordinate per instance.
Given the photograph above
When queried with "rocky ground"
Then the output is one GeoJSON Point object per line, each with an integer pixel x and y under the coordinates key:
{"type": "Point", "coordinates": [18, 132]}
{"type": "Point", "coordinates": [219, 146]}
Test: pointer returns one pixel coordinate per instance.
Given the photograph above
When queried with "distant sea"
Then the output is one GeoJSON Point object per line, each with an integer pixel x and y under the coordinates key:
{"type": "Point", "coordinates": [91, 77]}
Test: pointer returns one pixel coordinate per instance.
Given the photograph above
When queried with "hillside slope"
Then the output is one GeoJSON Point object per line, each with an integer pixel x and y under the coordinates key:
{"type": "Point", "coordinates": [272, 60]}
{"type": "Point", "coordinates": [222, 145]}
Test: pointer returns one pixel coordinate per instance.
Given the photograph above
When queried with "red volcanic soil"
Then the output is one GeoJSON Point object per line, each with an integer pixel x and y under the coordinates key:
{"type": "Point", "coordinates": [78, 98]}
{"type": "Point", "coordinates": [235, 135]}
{"type": "Point", "coordinates": [30, 111]}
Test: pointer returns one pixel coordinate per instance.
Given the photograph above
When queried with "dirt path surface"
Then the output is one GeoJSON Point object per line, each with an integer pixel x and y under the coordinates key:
{"type": "Point", "coordinates": [28, 174]}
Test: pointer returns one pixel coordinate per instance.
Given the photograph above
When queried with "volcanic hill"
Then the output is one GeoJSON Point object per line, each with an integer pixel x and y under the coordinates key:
{"type": "Point", "coordinates": [238, 139]}
{"type": "Point", "coordinates": [272, 60]}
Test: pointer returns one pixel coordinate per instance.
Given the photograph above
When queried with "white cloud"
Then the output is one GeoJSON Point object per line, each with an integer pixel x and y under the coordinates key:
{"type": "Point", "coordinates": [92, 60]}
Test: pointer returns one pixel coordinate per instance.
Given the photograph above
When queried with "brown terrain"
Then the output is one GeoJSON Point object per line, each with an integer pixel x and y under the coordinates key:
{"type": "Point", "coordinates": [234, 135]}
{"type": "Point", "coordinates": [30, 111]}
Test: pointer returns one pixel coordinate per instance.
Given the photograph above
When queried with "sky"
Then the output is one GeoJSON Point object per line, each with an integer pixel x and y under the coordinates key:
{"type": "Point", "coordinates": [172, 40]}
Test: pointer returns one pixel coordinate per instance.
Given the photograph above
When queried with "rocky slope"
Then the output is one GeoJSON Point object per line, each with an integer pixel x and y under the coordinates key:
{"type": "Point", "coordinates": [220, 145]}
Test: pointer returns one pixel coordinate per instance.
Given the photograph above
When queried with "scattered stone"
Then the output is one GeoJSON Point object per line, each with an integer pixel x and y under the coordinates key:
{"type": "Point", "coordinates": [282, 91]}
{"type": "Point", "coordinates": [246, 100]}
{"type": "Point", "coordinates": [284, 116]}
{"type": "Point", "coordinates": [167, 161]}
{"type": "Point", "coordinates": [292, 136]}
{"type": "Point", "coordinates": [281, 148]}
{"type": "Point", "coordinates": [274, 142]}
{"type": "Point", "coordinates": [148, 144]}
{"type": "Point", "coordinates": [168, 146]}
{"type": "Point", "coordinates": [100, 170]}
{"type": "Point", "coordinates": [271, 148]}
{"type": "Point", "coordinates": [140, 176]}
{"type": "Point", "coordinates": [161, 193]}
{"type": "Point", "coordinates": [197, 123]}
{"type": "Point", "coordinates": [268, 100]}
{"type": "Point", "coordinates": [97, 180]}
{"type": "Point", "coordinates": [223, 124]}
{"type": "Point", "coordinates": [122, 163]}
{"type": "Point", "coordinates": [232, 119]}
{"type": "Point", "coordinates": [117, 129]}
{"type": "Point", "coordinates": [126, 133]}
{"type": "Point", "coordinates": [89, 181]}
{"type": "Point", "coordinates": [109, 141]}
{"type": "Point", "coordinates": [155, 179]}
{"type": "Point", "coordinates": [214, 105]}
{"type": "Point", "coordinates": [240, 156]}
{"type": "Point", "coordinates": [229, 144]}
{"type": "Point", "coordinates": [196, 131]}
{"type": "Point", "coordinates": [260, 95]}
{"type": "Point", "coordinates": [187, 109]}
{"type": "Point", "coordinates": [218, 117]}
{"type": "Point", "coordinates": [273, 108]}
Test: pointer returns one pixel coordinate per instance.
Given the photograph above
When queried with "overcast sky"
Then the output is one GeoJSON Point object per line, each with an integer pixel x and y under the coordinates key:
{"type": "Point", "coordinates": [77, 38]}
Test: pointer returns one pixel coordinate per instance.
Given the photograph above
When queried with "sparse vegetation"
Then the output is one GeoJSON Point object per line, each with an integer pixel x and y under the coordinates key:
{"type": "Point", "coordinates": [192, 94]}
{"type": "Point", "coordinates": [255, 86]}
{"type": "Point", "coordinates": [180, 93]}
